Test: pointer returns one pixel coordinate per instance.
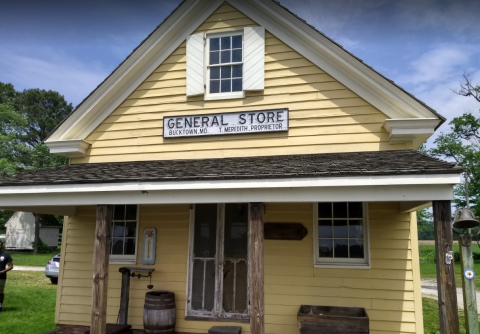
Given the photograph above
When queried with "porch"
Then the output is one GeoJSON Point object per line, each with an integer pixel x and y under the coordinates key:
{"type": "Point", "coordinates": [279, 189]}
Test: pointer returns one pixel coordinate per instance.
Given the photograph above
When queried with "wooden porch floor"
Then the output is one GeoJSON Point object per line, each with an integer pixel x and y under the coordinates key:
{"type": "Point", "coordinates": [62, 329]}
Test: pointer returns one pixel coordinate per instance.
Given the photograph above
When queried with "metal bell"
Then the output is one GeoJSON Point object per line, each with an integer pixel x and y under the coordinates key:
{"type": "Point", "coordinates": [465, 219]}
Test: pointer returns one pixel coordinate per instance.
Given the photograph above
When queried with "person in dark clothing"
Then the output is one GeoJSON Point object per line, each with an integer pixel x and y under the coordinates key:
{"type": "Point", "coordinates": [6, 264]}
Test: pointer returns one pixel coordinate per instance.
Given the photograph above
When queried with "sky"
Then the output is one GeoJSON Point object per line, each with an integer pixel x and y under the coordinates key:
{"type": "Point", "coordinates": [425, 46]}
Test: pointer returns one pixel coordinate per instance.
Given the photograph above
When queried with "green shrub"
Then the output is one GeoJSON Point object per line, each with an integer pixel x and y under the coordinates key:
{"type": "Point", "coordinates": [42, 248]}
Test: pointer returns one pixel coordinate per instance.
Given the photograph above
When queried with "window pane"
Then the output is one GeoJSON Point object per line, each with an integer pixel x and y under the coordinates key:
{"type": "Point", "coordinates": [226, 56]}
{"type": "Point", "coordinates": [130, 229]}
{"type": "Point", "coordinates": [237, 71]}
{"type": "Point", "coordinates": [340, 229]}
{"type": "Point", "coordinates": [226, 72]}
{"type": "Point", "coordinates": [226, 43]}
{"type": "Point", "coordinates": [241, 288]}
{"type": "Point", "coordinates": [129, 246]}
{"type": "Point", "coordinates": [237, 42]}
{"type": "Point", "coordinates": [214, 44]}
{"type": "Point", "coordinates": [237, 55]}
{"type": "Point", "coordinates": [210, 285]}
{"type": "Point", "coordinates": [356, 248]}
{"type": "Point", "coordinates": [340, 210]}
{"type": "Point", "coordinates": [228, 280]}
{"type": "Point", "coordinates": [236, 230]}
{"type": "Point", "coordinates": [119, 213]}
{"type": "Point", "coordinates": [325, 229]}
{"type": "Point", "coordinates": [324, 210]}
{"type": "Point", "coordinates": [117, 246]}
{"type": "Point", "coordinates": [131, 212]}
{"type": "Point", "coordinates": [237, 85]}
{"type": "Point", "coordinates": [205, 230]}
{"type": "Point", "coordinates": [215, 86]}
{"type": "Point", "coordinates": [226, 86]}
{"type": "Point", "coordinates": [118, 229]}
{"type": "Point", "coordinates": [355, 210]}
{"type": "Point", "coordinates": [341, 248]}
{"type": "Point", "coordinates": [214, 58]}
{"type": "Point", "coordinates": [325, 248]}
{"type": "Point", "coordinates": [197, 285]}
{"type": "Point", "coordinates": [215, 73]}
{"type": "Point", "coordinates": [355, 229]}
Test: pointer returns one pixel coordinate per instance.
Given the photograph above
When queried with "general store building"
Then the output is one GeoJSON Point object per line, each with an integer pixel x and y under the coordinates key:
{"type": "Point", "coordinates": [230, 119]}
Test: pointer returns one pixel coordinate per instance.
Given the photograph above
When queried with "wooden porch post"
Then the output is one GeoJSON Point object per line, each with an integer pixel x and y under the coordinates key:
{"type": "Point", "coordinates": [257, 317]}
{"type": "Point", "coordinates": [101, 253]}
{"type": "Point", "coordinates": [447, 294]}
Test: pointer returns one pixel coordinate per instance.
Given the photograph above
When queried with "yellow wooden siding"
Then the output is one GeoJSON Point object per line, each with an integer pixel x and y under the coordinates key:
{"type": "Point", "coordinates": [325, 116]}
{"type": "Point", "coordinates": [386, 290]}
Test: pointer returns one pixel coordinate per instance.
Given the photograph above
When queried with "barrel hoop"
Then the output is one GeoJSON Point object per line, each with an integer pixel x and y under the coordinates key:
{"type": "Point", "coordinates": [170, 306]}
{"type": "Point", "coordinates": [152, 328]}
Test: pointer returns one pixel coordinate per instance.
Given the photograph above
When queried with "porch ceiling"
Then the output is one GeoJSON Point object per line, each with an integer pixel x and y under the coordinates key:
{"type": "Point", "coordinates": [405, 176]}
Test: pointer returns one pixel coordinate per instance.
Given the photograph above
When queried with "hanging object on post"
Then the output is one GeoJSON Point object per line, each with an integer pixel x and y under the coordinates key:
{"type": "Point", "coordinates": [465, 219]}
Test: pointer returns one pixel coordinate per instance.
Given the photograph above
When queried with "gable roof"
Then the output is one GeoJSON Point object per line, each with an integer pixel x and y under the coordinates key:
{"type": "Point", "coordinates": [379, 91]}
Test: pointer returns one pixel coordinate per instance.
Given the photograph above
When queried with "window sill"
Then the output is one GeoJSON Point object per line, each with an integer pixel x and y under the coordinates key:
{"type": "Point", "coordinates": [197, 318]}
{"type": "Point", "coordinates": [342, 266]}
{"type": "Point", "coordinates": [225, 96]}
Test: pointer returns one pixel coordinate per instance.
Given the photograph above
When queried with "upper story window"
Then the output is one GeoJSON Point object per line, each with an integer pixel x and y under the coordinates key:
{"type": "Point", "coordinates": [225, 65]}
{"type": "Point", "coordinates": [341, 231]}
{"type": "Point", "coordinates": [123, 248]}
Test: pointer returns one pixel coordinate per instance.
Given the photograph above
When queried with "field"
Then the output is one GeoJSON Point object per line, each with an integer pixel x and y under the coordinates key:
{"type": "Point", "coordinates": [29, 306]}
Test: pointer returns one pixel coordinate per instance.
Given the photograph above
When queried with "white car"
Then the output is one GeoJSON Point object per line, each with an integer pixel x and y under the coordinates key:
{"type": "Point", "coordinates": [51, 269]}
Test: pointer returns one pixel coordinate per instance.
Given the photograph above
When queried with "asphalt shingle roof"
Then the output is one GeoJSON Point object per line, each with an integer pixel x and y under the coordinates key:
{"type": "Point", "coordinates": [404, 162]}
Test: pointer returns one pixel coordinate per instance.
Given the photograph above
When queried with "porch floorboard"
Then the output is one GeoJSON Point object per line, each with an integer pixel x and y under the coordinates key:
{"type": "Point", "coordinates": [74, 329]}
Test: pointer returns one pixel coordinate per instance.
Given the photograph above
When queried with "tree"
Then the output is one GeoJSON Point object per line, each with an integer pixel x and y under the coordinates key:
{"type": "Point", "coordinates": [462, 145]}
{"type": "Point", "coordinates": [26, 119]}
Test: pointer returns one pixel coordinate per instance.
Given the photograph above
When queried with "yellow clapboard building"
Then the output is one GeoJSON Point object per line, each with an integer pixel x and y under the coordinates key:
{"type": "Point", "coordinates": [250, 165]}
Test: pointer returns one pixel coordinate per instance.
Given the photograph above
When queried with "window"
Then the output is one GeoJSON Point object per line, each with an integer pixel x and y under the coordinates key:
{"type": "Point", "coordinates": [123, 248]}
{"type": "Point", "coordinates": [218, 266]}
{"type": "Point", "coordinates": [341, 232]}
{"type": "Point", "coordinates": [225, 65]}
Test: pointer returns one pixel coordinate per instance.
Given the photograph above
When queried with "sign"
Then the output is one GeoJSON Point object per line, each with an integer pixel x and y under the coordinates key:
{"type": "Point", "coordinates": [469, 274]}
{"type": "Point", "coordinates": [149, 245]}
{"type": "Point", "coordinates": [274, 120]}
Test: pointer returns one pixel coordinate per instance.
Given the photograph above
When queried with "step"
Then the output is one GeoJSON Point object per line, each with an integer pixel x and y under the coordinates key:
{"type": "Point", "coordinates": [225, 330]}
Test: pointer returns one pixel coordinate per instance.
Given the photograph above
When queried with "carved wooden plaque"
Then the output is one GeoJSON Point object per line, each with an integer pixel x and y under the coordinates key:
{"type": "Point", "coordinates": [285, 231]}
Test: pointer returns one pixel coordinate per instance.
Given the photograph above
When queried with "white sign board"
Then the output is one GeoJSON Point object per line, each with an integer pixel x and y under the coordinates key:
{"type": "Point", "coordinates": [274, 120]}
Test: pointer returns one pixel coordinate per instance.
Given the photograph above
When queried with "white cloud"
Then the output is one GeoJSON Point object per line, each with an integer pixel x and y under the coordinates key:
{"type": "Point", "coordinates": [436, 65]}
{"type": "Point", "coordinates": [50, 71]}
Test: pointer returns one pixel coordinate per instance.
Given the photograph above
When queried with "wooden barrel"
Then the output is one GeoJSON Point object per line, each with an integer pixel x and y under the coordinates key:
{"type": "Point", "coordinates": [159, 312]}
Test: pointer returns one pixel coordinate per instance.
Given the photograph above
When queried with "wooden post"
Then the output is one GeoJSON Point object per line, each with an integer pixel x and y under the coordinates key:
{"type": "Point", "coordinates": [101, 253]}
{"type": "Point", "coordinates": [469, 291]}
{"type": "Point", "coordinates": [257, 316]}
{"type": "Point", "coordinates": [124, 296]}
{"type": "Point", "coordinates": [447, 294]}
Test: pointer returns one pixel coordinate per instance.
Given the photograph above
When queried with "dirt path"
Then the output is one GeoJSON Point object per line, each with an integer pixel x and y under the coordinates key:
{"type": "Point", "coordinates": [28, 268]}
{"type": "Point", "coordinates": [429, 290]}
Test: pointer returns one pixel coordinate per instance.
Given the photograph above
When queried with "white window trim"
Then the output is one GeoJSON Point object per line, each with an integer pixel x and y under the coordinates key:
{"type": "Point", "coordinates": [221, 96]}
{"type": "Point", "coordinates": [126, 259]}
{"type": "Point", "coordinates": [218, 312]}
{"type": "Point", "coordinates": [364, 263]}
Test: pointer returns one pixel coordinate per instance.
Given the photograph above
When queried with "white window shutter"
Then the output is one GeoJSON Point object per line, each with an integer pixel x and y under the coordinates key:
{"type": "Point", "coordinates": [195, 66]}
{"type": "Point", "coordinates": [254, 58]}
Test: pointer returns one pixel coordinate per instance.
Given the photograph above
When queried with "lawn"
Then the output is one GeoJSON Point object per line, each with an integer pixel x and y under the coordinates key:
{"type": "Point", "coordinates": [428, 268]}
{"type": "Point", "coordinates": [30, 259]}
{"type": "Point", "coordinates": [29, 306]}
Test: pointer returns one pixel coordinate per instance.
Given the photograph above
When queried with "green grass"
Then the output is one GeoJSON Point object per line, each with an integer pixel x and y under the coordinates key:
{"type": "Point", "coordinates": [431, 323]}
{"type": "Point", "coordinates": [29, 259]}
{"type": "Point", "coordinates": [428, 268]}
{"type": "Point", "coordinates": [29, 306]}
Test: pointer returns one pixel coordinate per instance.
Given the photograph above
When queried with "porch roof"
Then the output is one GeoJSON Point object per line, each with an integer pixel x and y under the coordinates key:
{"type": "Point", "coordinates": [404, 162]}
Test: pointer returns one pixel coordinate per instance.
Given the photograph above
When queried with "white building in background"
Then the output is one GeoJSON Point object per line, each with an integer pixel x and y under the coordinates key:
{"type": "Point", "coordinates": [20, 232]}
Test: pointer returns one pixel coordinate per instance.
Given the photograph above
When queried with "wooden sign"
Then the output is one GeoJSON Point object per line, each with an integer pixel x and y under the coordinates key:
{"type": "Point", "coordinates": [149, 245]}
{"type": "Point", "coordinates": [232, 123]}
{"type": "Point", "coordinates": [285, 231]}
